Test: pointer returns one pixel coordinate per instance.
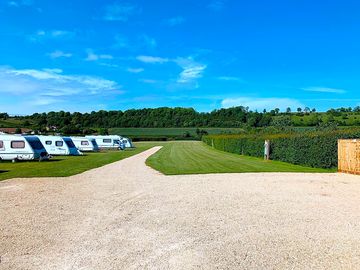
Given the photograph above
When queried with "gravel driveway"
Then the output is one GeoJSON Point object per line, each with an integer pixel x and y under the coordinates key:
{"type": "Point", "coordinates": [127, 216]}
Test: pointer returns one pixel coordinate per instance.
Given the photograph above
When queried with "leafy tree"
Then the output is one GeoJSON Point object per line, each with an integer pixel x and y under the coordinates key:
{"type": "Point", "coordinates": [4, 116]}
{"type": "Point", "coordinates": [281, 121]}
{"type": "Point", "coordinates": [187, 134]}
{"type": "Point", "coordinates": [356, 109]}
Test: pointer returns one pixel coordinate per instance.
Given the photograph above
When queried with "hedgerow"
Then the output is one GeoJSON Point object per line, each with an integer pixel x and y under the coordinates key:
{"type": "Point", "coordinates": [315, 149]}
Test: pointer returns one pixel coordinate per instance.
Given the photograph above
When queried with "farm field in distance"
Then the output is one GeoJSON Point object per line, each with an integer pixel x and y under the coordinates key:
{"type": "Point", "coordinates": [143, 132]}
{"type": "Point", "coordinates": [62, 166]}
{"type": "Point", "coordinates": [198, 158]}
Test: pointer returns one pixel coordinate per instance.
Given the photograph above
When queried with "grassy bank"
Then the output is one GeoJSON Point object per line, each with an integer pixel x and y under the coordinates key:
{"type": "Point", "coordinates": [198, 158]}
{"type": "Point", "coordinates": [66, 166]}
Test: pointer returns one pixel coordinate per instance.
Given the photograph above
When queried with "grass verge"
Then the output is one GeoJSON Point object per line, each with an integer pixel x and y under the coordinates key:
{"type": "Point", "coordinates": [66, 165]}
{"type": "Point", "coordinates": [198, 158]}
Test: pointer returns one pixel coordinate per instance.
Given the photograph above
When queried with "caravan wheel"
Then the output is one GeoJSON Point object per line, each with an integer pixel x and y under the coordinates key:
{"type": "Point", "coordinates": [15, 160]}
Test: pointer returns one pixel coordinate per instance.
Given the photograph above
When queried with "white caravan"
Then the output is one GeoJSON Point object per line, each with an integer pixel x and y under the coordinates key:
{"type": "Point", "coordinates": [59, 146]}
{"type": "Point", "coordinates": [127, 142]}
{"type": "Point", "coordinates": [107, 142]}
{"type": "Point", "coordinates": [16, 148]}
{"type": "Point", "coordinates": [85, 144]}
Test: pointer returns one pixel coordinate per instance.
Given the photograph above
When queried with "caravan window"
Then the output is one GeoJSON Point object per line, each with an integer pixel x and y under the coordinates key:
{"type": "Point", "coordinates": [84, 143]}
{"type": "Point", "coordinates": [59, 143]}
{"type": "Point", "coordinates": [17, 144]}
{"type": "Point", "coordinates": [48, 142]}
{"type": "Point", "coordinates": [106, 140]}
{"type": "Point", "coordinates": [1, 145]}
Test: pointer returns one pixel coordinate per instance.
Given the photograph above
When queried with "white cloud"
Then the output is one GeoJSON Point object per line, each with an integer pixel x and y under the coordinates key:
{"type": "Point", "coordinates": [135, 70]}
{"type": "Point", "coordinates": [52, 82]}
{"type": "Point", "coordinates": [152, 59]}
{"type": "Point", "coordinates": [91, 56]}
{"type": "Point", "coordinates": [191, 70]}
{"type": "Point", "coordinates": [120, 12]}
{"type": "Point", "coordinates": [13, 4]}
{"type": "Point", "coordinates": [189, 74]}
{"type": "Point", "coordinates": [217, 5]}
{"type": "Point", "coordinates": [141, 42]}
{"type": "Point", "coordinates": [148, 81]}
{"type": "Point", "coordinates": [59, 54]}
{"type": "Point", "coordinates": [109, 65]}
{"type": "Point", "coordinates": [175, 21]}
{"type": "Point", "coordinates": [41, 35]}
{"type": "Point", "coordinates": [261, 103]}
{"type": "Point", "coordinates": [229, 78]}
{"type": "Point", "coordinates": [43, 101]}
{"type": "Point", "coordinates": [32, 90]}
{"type": "Point", "coordinates": [20, 3]}
{"type": "Point", "coordinates": [121, 42]}
{"type": "Point", "coordinates": [60, 33]}
{"type": "Point", "coordinates": [147, 41]}
{"type": "Point", "coordinates": [324, 90]}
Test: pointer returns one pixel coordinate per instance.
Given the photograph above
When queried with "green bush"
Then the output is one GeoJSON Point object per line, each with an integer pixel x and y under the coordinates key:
{"type": "Point", "coordinates": [315, 149]}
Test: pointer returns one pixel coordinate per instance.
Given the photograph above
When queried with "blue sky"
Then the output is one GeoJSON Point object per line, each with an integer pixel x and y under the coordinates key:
{"type": "Point", "coordinates": [206, 54]}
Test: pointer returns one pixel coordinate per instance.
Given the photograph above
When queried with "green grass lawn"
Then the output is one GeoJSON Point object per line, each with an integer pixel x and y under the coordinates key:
{"type": "Point", "coordinates": [174, 158]}
{"type": "Point", "coordinates": [66, 165]}
{"type": "Point", "coordinates": [198, 158]}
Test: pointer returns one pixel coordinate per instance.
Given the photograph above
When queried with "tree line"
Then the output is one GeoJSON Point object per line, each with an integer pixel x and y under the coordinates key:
{"type": "Point", "coordinates": [182, 117]}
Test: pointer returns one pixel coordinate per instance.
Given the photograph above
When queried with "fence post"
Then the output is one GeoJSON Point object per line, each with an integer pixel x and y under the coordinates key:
{"type": "Point", "coordinates": [267, 150]}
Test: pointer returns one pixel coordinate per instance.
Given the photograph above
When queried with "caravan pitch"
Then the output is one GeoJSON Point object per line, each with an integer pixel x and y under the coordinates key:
{"type": "Point", "coordinates": [127, 216]}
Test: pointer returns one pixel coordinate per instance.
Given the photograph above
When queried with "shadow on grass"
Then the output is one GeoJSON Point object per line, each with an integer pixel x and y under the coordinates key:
{"type": "Point", "coordinates": [3, 171]}
{"type": "Point", "coordinates": [53, 160]}
{"type": "Point", "coordinates": [30, 161]}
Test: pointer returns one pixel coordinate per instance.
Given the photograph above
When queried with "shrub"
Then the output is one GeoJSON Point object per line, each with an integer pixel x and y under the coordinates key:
{"type": "Point", "coordinates": [315, 149]}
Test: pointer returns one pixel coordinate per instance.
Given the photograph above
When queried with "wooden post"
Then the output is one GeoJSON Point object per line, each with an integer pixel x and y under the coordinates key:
{"type": "Point", "coordinates": [349, 156]}
{"type": "Point", "coordinates": [267, 150]}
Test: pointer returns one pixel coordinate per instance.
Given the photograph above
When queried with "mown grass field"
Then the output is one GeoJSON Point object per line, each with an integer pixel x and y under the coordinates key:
{"type": "Point", "coordinates": [66, 166]}
{"type": "Point", "coordinates": [11, 123]}
{"type": "Point", "coordinates": [198, 158]}
{"type": "Point", "coordinates": [174, 158]}
{"type": "Point", "coordinates": [168, 131]}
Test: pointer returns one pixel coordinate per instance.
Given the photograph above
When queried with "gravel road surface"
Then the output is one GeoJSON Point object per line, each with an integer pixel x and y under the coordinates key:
{"type": "Point", "coordinates": [127, 216]}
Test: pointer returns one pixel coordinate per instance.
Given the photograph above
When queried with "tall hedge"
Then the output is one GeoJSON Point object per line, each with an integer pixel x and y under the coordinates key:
{"type": "Point", "coordinates": [314, 149]}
